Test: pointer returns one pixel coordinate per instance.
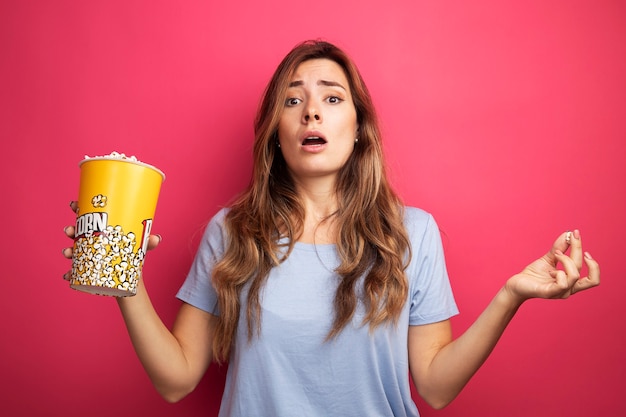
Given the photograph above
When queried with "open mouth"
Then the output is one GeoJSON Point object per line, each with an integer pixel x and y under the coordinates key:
{"type": "Point", "coordinates": [313, 140]}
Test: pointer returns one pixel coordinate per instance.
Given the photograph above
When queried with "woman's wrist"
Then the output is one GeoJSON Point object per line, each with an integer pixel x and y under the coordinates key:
{"type": "Point", "coordinates": [507, 298]}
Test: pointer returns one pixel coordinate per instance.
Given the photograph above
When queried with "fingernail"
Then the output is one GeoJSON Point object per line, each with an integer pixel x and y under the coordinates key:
{"type": "Point", "coordinates": [577, 234]}
{"type": "Point", "coordinates": [160, 238]}
{"type": "Point", "coordinates": [588, 255]}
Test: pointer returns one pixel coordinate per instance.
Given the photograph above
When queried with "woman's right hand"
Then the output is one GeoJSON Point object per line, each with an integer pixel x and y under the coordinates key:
{"type": "Point", "coordinates": [153, 240]}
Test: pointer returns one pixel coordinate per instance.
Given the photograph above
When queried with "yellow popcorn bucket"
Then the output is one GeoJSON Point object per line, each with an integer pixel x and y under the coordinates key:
{"type": "Point", "coordinates": [117, 199]}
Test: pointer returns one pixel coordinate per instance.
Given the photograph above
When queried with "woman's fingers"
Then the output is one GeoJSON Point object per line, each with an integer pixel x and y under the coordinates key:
{"type": "Point", "coordinates": [561, 284]}
{"type": "Point", "coordinates": [70, 231]}
{"type": "Point", "coordinates": [153, 241]}
{"type": "Point", "coordinates": [568, 240]}
{"type": "Point", "coordinates": [573, 264]}
{"type": "Point", "coordinates": [591, 280]}
{"type": "Point", "coordinates": [562, 243]}
{"type": "Point", "coordinates": [67, 252]}
{"type": "Point", "coordinates": [557, 275]}
{"type": "Point", "coordinates": [576, 248]}
{"type": "Point", "coordinates": [569, 267]}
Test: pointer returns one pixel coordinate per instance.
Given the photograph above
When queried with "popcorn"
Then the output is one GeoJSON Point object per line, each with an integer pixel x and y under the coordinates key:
{"type": "Point", "coordinates": [99, 201]}
{"type": "Point", "coordinates": [107, 260]}
{"type": "Point", "coordinates": [117, 199]}
{"type": "Point", "coordinates": [114, 155]}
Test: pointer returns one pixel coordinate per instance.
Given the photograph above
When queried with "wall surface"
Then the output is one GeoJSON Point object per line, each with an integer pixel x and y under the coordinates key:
{"type": "Point", "coordinates": [506, 120]}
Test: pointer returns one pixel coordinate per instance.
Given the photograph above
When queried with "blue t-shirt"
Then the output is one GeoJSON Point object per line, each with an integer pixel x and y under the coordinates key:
{"type": "Point", "coordinates": [289, 370]}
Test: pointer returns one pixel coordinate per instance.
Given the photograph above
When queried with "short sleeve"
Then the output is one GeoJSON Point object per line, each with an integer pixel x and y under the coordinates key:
{"type": "Point", "coordinates": [197, 289]}
{"type": "Point", "coordinates": [431, 297]}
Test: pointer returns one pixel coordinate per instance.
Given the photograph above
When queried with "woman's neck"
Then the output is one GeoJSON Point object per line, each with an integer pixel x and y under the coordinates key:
{"type": "Point", "coordinates": [319, 201]}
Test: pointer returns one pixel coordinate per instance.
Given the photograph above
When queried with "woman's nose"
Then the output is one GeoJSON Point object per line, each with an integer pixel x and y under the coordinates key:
{"type": "Point", "coordinates": [311, 114]}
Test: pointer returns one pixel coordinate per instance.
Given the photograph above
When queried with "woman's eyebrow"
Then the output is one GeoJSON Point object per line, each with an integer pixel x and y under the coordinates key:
{"type": "Point", "coordinates": [330, 84]}
{"type": "Point", "coordinates": [299, 83]}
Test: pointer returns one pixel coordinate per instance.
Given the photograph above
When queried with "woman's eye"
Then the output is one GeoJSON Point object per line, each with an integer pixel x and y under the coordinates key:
{"type": "Point", "coordinates": [334, 99]}
{"type": "Point", "coordinates": [292, 101]}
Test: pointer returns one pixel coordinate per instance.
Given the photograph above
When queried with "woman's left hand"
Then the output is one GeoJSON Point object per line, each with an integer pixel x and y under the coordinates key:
{"type": "Point", "coordinates": [542, 279]}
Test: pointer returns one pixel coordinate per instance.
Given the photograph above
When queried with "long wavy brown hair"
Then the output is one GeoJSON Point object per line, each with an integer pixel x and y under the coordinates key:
{"type": "Point", "coordinates": [371, 239]}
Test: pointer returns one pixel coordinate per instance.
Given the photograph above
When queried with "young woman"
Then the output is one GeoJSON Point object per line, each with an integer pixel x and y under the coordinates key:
{"type": "Point", "coordinates": [321, 290]}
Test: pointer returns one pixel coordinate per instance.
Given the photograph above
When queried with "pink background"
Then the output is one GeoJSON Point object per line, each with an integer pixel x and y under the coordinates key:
{"type": "Point", "coordinates": [506, 120]}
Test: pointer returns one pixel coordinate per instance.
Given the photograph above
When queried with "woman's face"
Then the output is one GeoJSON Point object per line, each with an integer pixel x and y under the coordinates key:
{"type": "Point", "coordinates": [318, 125]}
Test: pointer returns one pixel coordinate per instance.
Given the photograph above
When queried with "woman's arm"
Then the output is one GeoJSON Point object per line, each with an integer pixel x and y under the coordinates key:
{"type": "Point", "coordinates": [175, 360]}
{"type": "Point", "coordinates": [441, 367]}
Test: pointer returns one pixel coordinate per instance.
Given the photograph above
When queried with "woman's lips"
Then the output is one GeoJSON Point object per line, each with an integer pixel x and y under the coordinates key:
{"type": "Point", "coordinates": [313, 140]}
{"type": "Point", "coordinates": [312, 137]}
{"type": "Point", "coordinates": [314, 144]}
